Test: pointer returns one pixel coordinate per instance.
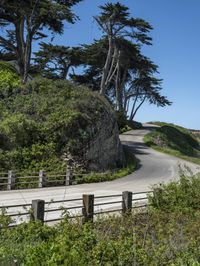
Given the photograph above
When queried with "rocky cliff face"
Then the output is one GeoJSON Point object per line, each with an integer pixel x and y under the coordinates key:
{"type": "Point", "coordinates": [104, 150]}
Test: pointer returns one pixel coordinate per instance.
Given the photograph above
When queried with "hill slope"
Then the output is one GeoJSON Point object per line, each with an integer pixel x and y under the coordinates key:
{"type": "Point", "coordinates": [48, 123]}
{"type": "Point", "coordinates": [175, 140]}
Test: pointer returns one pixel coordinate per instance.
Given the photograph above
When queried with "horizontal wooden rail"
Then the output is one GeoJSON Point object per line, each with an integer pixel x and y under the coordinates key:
{"type": "Point", "coordinates": [107, 203]}
{"type": "Point", "coordinates": [62, 218]}
{"type": "Point", "coordinates": [18, 214]}
{"type": "Point", "coordinates": [108, 211]}
{"type": "Point", "coordinates": [14, 180]}
{"type": "Point", "coordinates": [108, 196]}
{"type": "Point", "coordinates": [64, 200]}
{"type": "Point", "coordinates": [64, 208]}
{"type": "Point", "coordinates": [140, 199]}
{"type": "Point", "coordinates": [143, 192]}
{"type": "Point", "coordinates": [15, 206]}
{"type": "Point", "coordinates": [38, 209]}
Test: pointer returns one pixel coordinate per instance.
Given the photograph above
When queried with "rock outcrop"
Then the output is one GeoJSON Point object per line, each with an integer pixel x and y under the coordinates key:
{"type": "Point", "coordinates": [104, 150]}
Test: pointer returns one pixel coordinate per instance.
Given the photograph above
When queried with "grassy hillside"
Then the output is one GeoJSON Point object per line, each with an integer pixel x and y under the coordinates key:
{"type": "Point", "coordinates": [175, 140]}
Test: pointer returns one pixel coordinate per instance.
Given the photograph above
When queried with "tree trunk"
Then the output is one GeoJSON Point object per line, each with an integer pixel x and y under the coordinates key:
{"type": "Point", "coordinates": [19, 29]}
{"type": "Point", "coordinates": [27, 56]}
{"type": "Point", "coordinates": [134, 111]}
{"type": "Point", "coordinates": [106, 67]}
{"type": "Point", "coordinates": [119, 87]}
{"type": "Point", "coordinates": [133, 107]}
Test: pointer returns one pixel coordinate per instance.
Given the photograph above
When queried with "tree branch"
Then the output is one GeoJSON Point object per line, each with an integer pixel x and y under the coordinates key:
{"type": "Point", "coordinates": [7, 43]}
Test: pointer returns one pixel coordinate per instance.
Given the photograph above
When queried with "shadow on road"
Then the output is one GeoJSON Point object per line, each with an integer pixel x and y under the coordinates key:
{"type": "Point", "coordinates": [138, 161]}
{"type": "Point", "coordinates": [136, 147]}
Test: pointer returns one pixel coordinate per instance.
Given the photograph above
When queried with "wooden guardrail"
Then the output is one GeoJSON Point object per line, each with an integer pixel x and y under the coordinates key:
{"type": "Point", "coordinates": [86, 207]}
{"type": "Point", "coordinates": [12, 180]}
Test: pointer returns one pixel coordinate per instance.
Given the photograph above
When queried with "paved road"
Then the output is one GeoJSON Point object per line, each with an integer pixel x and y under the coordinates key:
{"type": "Point", "coordinates": [153, 167]}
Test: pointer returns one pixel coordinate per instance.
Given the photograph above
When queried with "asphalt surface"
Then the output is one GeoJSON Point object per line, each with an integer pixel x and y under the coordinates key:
{"type": "Point", "coordinates": [153, 167]}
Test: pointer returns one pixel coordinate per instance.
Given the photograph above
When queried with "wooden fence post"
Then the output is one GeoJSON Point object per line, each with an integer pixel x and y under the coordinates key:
{"type": "Point", "coordinates": [88, 208]}
{"type": "Point", "coordinates": [38, 210]}
{"type": "Point", "coordinates": [11, 180]}
{"type": "Point", "coordinates": [127, 201]}
{"type": "Point", "coordinates": [69, 177]}
{"type": "Point", "coordinates": [42, 179]}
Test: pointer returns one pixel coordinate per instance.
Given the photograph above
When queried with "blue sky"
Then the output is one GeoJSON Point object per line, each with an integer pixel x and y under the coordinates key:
{"type": "Point", "coordinates": [176, 50]}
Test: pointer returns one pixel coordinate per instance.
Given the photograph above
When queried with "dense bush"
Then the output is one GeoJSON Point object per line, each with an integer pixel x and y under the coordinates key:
{"type": "Point", "coordinates": [43, 121]}
{"type": "Point", "coordinates": [166, 234]}
{"type": "Point", "coordinates": [154, 238]}
{"type": "Point", "coordinates": [182, 195]}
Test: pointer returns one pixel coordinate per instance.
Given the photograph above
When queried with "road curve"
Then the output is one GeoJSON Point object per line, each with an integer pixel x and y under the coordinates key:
{"type": "Point", "coordinates": [153, 167]}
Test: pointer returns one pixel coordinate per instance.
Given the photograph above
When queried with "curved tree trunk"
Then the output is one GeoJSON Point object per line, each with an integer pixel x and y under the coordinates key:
{"type": "Point", "coordinates": [106, 67]}
{"type": "Point", "coordinates": [134, 110]}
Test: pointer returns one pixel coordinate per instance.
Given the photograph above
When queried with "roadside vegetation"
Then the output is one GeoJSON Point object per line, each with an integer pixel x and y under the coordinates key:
{"type": "Point", "coordinates": [130, 165]}
{"type": "Point", "coordinates": [175, 140]}
{"type": "Point", "coordinates": [166, 234]}
{"type": "Point", "coordinates": [43, 120]}
{"type": "Point", "coordinates": [126, 124]}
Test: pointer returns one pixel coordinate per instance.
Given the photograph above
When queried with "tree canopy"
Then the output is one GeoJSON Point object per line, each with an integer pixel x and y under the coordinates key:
{"type": "Point", "coordinates": [25, 20]}
{"type": "Point", "coordinates": [55, 61]}
{"type": "Point", "coordinates": [114, 65]}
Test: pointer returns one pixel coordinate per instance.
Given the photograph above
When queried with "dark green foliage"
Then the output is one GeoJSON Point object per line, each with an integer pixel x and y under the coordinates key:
{"type": "Point", "coordinates": [43, 121]}
{"type": "Point", "coordinates": [55, 61]}
{"type": "Point", "coordinates": [134, 124]}
{"type": "Point", "coordinates": [25, 21]}
{"type": "Point", "coordinates": [122, 24]}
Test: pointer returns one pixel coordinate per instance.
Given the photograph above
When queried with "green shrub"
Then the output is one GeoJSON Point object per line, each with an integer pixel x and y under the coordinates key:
{"type": "Point", "coordinates": [125, 129]}
{"type": "Point", "coordinates": [9, 79]}
{"type": "Point", "coordinates": [17, 130]}
{"type": "Point", "coordinates": [166, 233]}
{"type": "Point", "coordinates": [152, 238]}
{"type": "Point", "coordinates": [134, 124]}
{"type": "Point", "coordinates": [182, 195]}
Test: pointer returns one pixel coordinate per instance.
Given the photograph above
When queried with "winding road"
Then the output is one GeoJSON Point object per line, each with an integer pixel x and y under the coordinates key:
{"type": "Point", "coordinates": [153, 167]}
